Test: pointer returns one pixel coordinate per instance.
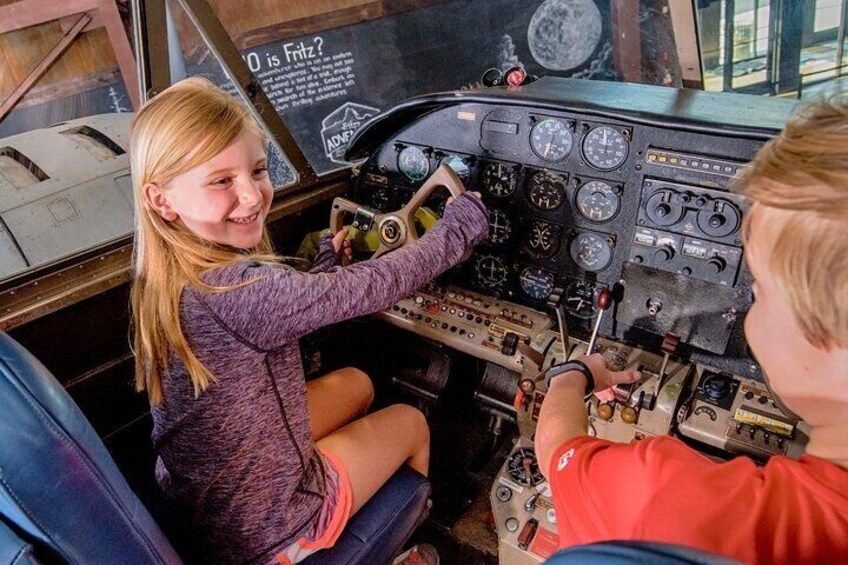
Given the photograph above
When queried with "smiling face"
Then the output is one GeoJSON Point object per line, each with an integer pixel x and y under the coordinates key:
{"type": "Point", "coordinates": [225, 199]}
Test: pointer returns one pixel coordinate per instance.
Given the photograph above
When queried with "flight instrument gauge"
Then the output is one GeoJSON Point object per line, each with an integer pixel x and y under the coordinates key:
{"type": "Point", "coordinates": [550, 139]}
{"type": "Point", "coordinates": [523, 467]}
{"type": "Point", "coordinates": [590, 251]}
{"type": "Point", "coordinates": [546, 190]}
{"type": "Point", "coordinates": [491, 271]}
{"type": "Point", "coordinates": [597, 201]}
{"type": "Point", "coordinates": [413, 163]}
{"type": "Point", "coordinates": [580, 299]}
{"type": "Point", "coordinates": [499, 179]}
{"type": "Point", "coordinates": [459, 166]}
{"type": "Point", "coordinates": [605, 148]}
{"type": "Point", "coordinates": [542, 238]}
{"type": "Point", "coordinates": [536, 283]}
{"type": "Point", "coordinates": [500, 228]}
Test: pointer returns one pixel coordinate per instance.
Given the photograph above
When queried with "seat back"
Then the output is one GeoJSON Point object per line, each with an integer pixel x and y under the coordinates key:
{"type": "Point", "coordinates": [635, 552]}
{"type": "Point", "coordinates": [60, 490]}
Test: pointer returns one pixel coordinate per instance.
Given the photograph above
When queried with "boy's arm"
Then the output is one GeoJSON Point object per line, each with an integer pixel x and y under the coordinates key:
{"type": "Point", "coordinates": [563, 416]}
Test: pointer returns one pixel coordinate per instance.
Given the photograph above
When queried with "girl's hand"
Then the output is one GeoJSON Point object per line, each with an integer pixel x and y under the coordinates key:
{"type": "Point", "coordinates": [605, 378]}
{"type": "Point", "coordinates": [341, 245]}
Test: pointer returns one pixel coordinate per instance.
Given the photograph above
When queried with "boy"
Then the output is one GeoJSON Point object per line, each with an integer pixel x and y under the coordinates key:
{"type": "Point", "coordinates": [661, 490]}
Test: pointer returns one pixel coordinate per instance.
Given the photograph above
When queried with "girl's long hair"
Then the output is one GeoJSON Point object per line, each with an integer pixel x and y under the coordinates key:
{"type": "Point", "coordinates": [181, 128]}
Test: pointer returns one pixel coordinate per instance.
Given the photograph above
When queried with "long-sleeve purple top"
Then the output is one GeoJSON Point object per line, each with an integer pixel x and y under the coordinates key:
{"type": "Point", "coordinates": [238, 460]}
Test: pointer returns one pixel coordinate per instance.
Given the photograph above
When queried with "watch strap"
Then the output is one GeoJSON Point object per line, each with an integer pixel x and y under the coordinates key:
{"type": "Point", "coordinates": [567, 367]}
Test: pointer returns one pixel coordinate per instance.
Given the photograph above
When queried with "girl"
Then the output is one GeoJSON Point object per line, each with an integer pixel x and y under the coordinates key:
{"type": "Point", "coordinates": [265, 467]}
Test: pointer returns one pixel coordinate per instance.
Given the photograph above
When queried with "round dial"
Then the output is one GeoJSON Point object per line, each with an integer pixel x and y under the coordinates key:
{"type": "Point", "coordinates": [536, 283]}
{"type": "Point", "coordinates": [580, 299]}
{"type": "Point", "coordinates": [542, 238]}
{"type": "Point", "coordinates": [524, 468]}
{"type": "Point", "coordinates": [547, 190]}
{"type": "Point", "coordinates": [590, 251]}
{"type": "Point", "coordinates": [597, 201]}
{"type": "Point", "coordinates": [491, 270]}
{"type": "Point", "coordinates": [605, 148]}
{"type": "Point", "coordinates": [459, 166]}
{"type": "Point", "coordinates": [500, 227]}
{"type": "Point", "coordinates": [551, 140]}
{"type": "Point", "coordinates": [413, 163]}
{"type": "Point", "coordinates": [499, 179]}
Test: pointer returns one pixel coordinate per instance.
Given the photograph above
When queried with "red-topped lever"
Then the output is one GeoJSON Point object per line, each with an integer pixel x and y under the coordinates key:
{"type": "Point", "coordinates": [603, 303]}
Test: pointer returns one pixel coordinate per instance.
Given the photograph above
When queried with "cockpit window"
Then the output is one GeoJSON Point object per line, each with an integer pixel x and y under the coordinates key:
{"type": "Point", "coordinates": [329, 71]}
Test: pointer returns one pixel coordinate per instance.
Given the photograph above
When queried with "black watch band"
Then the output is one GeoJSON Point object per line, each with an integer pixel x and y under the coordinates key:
{"type": "Point", "coordinates": [578, 366]}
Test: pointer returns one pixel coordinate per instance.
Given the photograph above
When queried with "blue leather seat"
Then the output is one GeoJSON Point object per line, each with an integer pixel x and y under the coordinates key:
{"type": "Point", "coordinates": [635, 552]}
{"type": "Point", "coordinates": [62, 498]}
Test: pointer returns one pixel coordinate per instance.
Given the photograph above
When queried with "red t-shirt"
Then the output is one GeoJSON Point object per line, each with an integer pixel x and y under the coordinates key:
{"type": "Point", "coordinates": [661, 490]}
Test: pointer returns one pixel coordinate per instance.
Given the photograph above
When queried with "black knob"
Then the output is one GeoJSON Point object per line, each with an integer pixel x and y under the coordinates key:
{"type": "Point", "coordinates": [664, 253]}
{"type": "Point", "coordinates": [716, 265]}
{"type": "Point", "coordinates": [663, 210]}
{"type": "Point", "coordinates": [717, 387]}
{"type": "Point", "coordinates": [509, 343]}
{"type": "Point", "coordinates": [717, 220]}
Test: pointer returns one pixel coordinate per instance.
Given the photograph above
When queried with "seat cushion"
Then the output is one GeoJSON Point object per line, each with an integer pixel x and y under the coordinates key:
{"type": "Point", "coordinates": [635, 552]}
{"type": "Point", "coordinates": [377, 533]}
{"type": "Point", "coordinates": [59, 487]}
{"type": "Point", "coordinates": [14, 550]}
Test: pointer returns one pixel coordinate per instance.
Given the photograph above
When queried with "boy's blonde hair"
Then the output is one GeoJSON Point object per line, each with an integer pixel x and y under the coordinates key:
{"type": "Point", "coordinates": [182, 127]}
{"type": "Point", "coordinates": [803, 173]}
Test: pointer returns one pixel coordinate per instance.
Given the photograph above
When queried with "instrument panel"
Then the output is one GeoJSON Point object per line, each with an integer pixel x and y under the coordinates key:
{"type": "Point", "coordinates": [585, 199]}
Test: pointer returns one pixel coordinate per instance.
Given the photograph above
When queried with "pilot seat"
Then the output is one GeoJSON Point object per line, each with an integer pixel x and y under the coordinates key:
{"type": "Point", "coordinates": [63, 499]}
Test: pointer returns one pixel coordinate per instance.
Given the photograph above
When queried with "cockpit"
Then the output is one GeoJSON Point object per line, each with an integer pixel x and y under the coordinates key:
{"type": "Point", "coordinates": [604, 137]}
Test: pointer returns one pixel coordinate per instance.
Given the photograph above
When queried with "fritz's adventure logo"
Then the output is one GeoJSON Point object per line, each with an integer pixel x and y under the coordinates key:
{"type": "Point", "coordinates": [338, 127]}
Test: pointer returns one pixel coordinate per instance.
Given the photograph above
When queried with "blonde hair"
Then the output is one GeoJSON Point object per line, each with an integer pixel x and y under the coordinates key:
{"type": "Point", "coordinates": [803, 174]}
{"type": "Point", "coordinates": [181, 128]}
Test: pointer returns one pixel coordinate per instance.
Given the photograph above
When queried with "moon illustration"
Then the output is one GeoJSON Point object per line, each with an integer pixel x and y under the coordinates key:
{"type": "Point", "coordinates": [564, 33]}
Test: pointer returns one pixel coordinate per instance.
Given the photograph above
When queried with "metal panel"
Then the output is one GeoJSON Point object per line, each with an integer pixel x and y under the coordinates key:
{"type": "Point", "coordinates": [71, 220]}
{"type": "Point", "coordinates": [11, 260]}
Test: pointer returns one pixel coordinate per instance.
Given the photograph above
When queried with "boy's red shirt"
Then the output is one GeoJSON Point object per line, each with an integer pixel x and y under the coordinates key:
{"type": "Point", "coordinates": [661, 490]}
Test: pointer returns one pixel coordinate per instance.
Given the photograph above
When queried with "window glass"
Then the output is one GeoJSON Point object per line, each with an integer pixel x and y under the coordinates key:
{"type": "Point", "coordinates": [330, 66]}
{"type": "Point", "coordinates": [793, 49]}
{"type": "Point", "coordinates": [192, 56]}
{"type": "Point", "coordinates": [64, 119]}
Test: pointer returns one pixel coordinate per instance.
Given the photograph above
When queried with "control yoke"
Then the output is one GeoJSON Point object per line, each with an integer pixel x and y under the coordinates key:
{"type": "Point", "coordinates": [395, 229]}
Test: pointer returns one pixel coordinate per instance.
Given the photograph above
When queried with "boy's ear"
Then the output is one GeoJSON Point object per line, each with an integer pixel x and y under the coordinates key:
{"type": "Point", "coordinates": [158, 201]}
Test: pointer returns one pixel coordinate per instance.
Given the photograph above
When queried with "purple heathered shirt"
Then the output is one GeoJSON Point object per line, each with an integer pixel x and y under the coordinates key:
{"type": "Point", "coordinates": [239, 461]}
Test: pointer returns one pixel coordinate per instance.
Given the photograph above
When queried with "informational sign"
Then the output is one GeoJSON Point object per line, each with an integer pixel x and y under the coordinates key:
{"type": "Point", "coordinates": [328, 84]}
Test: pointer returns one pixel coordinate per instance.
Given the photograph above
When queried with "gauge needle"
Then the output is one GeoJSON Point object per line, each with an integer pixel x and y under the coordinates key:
{"type": "Point", "coordinates": [547, 149]}
{"type": "Point", "coordinates": [604, 139]}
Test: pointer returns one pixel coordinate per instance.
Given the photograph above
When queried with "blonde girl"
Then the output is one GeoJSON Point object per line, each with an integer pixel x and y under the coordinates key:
{"type": "Point", "coordinates": [264, 466]}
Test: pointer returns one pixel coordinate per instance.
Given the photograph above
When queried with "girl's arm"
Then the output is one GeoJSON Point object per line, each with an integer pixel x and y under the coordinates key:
{"type": "Point", "coordinates": [284, 304]}
{"type": "Point", "coordinates": [326, 258]}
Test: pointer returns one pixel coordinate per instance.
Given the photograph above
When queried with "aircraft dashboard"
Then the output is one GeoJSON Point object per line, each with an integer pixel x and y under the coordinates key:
{"type": "Point", "coordinates": [584, 194]}
{"type": "Point", "coordinates": [611, 209]}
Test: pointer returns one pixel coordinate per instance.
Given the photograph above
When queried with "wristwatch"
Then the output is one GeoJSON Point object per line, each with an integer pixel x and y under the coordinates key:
{"type": "Point", "coordinates": [569, 366]}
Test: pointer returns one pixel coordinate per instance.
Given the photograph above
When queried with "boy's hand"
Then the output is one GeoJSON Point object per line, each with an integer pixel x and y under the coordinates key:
{"type": "Point", "coordinates": [342, 246]}
{"type": "Point", "coordinates": [605, 378]}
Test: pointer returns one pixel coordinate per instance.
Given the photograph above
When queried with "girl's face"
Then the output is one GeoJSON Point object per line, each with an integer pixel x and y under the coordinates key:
{"type": "Point", "coordinates": [224, 200]}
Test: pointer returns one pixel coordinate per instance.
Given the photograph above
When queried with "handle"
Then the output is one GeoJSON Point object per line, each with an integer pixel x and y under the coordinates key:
{"type": "Point", "coordinates": [340, 206]}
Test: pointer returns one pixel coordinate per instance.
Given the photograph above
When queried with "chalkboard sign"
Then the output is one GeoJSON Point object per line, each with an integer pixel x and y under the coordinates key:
{"type": "Point", "coordinates": [327, 84]}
